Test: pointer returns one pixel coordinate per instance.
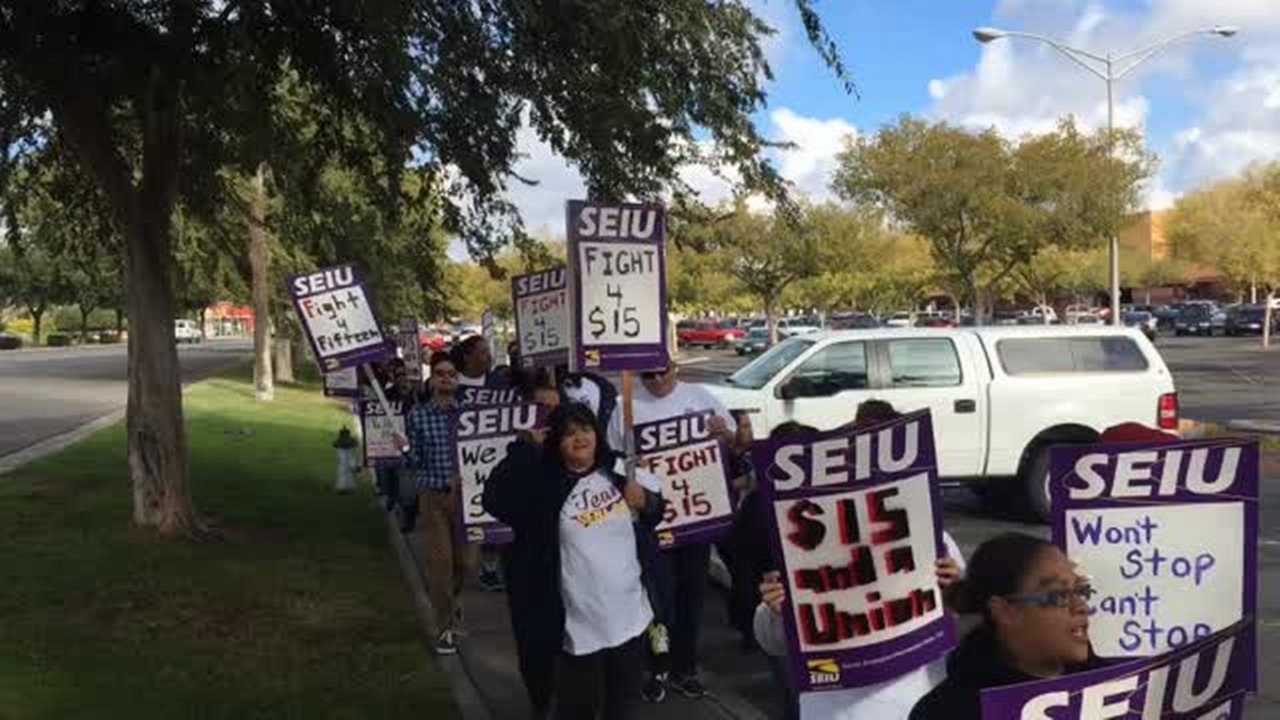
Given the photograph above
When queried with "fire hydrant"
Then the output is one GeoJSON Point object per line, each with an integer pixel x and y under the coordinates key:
{"type": "Point", "coordinates": [344, 444]}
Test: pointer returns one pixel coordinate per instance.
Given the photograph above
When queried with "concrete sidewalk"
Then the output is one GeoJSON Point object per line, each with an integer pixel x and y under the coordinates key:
{"type": "Point", "coordinates": [485, 678]}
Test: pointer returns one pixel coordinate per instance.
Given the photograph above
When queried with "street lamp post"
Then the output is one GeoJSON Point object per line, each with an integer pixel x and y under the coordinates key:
{"type": "Point", "coordinates": [1105, 67]}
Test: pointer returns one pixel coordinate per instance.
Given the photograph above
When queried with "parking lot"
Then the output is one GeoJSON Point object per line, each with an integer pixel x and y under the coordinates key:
{"type": "Point", "coordinates": [1219, 379]}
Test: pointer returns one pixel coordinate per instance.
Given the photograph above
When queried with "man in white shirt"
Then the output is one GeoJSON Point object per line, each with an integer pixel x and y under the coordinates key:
{"type": "Point", "coordinates": [682, 571]}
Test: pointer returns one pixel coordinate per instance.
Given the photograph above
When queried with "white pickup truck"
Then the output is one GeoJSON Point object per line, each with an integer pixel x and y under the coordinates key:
{"type": "Point", "coordinates": [999, 396]}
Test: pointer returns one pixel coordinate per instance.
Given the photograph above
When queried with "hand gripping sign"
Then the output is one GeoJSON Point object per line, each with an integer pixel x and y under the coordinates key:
{"type": "Point", "coordinates": [338, 318]}
{"type": "Point", "coordinates": [541, 303]}
{"type": "Point", "coordinates": [617, 271]}
{"type": "Point", "coordinates": [1167, 534]}
{"type": "Point", "coordinates": [856, 530]}
{"type": "Point", "coordinates": [1203, 680]}
{"type": "Point", "coordinates": [481, 434]}
{"type": "Point", "coordinates": [690, 461]}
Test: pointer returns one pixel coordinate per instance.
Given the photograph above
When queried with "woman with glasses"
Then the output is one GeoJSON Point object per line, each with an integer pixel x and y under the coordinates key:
{"type": "Point", "coordinates": [1035, 624]}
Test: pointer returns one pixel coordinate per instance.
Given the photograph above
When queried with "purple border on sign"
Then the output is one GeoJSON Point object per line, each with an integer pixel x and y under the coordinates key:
{"type": "Point", "coordinates": [395, 462]}
{"type": "Point", "coordinates": [551, 357]}
{"type": "Point", "coordinates": [352, 357]}
{"type": "Point", "coordinates": [487, 533]}
{"type": "Point", "coordinates": [703, 531]}
{"type": "Point", "coordinates": [330, 391]}
{"type": "Point", "coordinates": [1008, 701]}
{"type": "Point", "coordinates": [1062, 461]}
{"type": "Point", "coordinates": [637, 357]}
{"type": "Point", "coordinates": [869, 664]}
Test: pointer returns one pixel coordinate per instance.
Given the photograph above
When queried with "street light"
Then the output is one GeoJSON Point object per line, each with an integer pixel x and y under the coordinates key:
{"type": "Point", "coordinates": [1110, 68]}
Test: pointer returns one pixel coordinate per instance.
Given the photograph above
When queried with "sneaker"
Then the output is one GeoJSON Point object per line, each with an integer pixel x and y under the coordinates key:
{"type": "Point", "coordinates": [491, 580]}
{"type": "Point", "coordinates": [654, 690]}
{"type": "Point", "coordinates": [445, 644]}
{"type": "Point", "coordinates": [689, 687]}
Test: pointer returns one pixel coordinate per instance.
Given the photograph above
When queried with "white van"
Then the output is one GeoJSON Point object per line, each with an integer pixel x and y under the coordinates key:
{"type": "Point", "coordinates": [999, 396]}
{"type": "Point", "coordinates": [186, 331]}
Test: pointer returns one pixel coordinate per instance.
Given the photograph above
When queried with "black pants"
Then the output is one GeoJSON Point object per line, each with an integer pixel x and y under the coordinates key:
{"type": "Point", "coordinates": [746, 555]}
{"type": "Point", "coordinates": [682, 586]}
{"type": "Point", "coordinates": [537, 643]}
{"type": "Point", "coordinates": [604, 684]}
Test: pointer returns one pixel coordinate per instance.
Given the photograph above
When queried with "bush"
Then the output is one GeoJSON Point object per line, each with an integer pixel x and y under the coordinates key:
{"type": "Point", "coordinates": [58, 340]}
{"type": "Point", "coordinates": [109, 337]}
{"type": "Point", "coordinates": [10, 342]}
{"type": "Point", "coordinates": [21, 326]}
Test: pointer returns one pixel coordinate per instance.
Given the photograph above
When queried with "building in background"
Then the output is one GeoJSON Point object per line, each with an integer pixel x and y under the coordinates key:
{"type": "Point", "coordinates": [1145, 239]}
{"type": "Point", "coordinates": [225, 319]}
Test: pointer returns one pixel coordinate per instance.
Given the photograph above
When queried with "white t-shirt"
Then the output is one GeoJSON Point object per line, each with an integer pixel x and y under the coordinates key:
{"type": "Point", "coordinates": [587, 393]}
{"type": "Point", "coordinates": [605, 604]}
{"type": "Point", "coordinates": [889, 700]}
{"type": "Point", "coordinates": [685, 398]}
{"type": "Point", "coordinates": [481, 381]}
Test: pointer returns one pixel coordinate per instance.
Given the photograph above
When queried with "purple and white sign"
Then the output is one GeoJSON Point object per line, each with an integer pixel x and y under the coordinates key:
{"type": "Point", "coordinates": [481, 435]}
{"type": "Point", "coordinates": [1166, 533]}
{"type": "Point", "coordinates": [855, 531]}
{"type": "Point", "coordinates": [617, 269]}
{"type": "Point", "coordinates": [342, 383]}
{"type": "Point", "coordinates": [379, 426]}
{"type": "Point", "coordinates": [338, 318]}
{"type": "Point", "coordinates": [470, 395]}
{"type": "Point", "coordinates": [682, 452]}
{"type": "Point", "coordinates": [541, 303]}
{"type": "Point", "coordinates": [410, 345]}
{"type": "Point", "coordinates": [1204, 680]}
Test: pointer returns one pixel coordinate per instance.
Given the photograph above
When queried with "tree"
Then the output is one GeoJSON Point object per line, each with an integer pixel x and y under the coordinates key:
{"type": "Point", "coordinates": [154, 97]}
{"type": "Point", "coordinates": [988, 205]}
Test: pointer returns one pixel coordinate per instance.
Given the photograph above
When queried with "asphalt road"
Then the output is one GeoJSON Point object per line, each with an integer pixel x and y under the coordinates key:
{"type": "Point", "coordinates": [1218, 380]}
{"type": "Point", "coordinates": [48, 391]}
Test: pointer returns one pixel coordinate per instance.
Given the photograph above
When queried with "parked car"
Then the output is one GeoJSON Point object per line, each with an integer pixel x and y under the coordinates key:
{"type": "Point", "coordinates": [1074, 311]}
{"type": "Point", "coordinates": [9, 341]}
{"type": "Point", "coordinates": [793, 326]}
{"type": "Point", "coordinates": [1194, 319]}
{"type": "Point", "coordinates": [1144, 321]}
{"type": "Point", "coordinates": [1039, 313]}
{"type": "Point", "coordinates": [1166, 316]}
{"type": "Point", "coordinates": [1249, 319]}
{"type": "Point", "coordinates": [1000, 397]}
{"type": "Point", "coordinates": [935, 321]}
{"type": "Point", "coordinates": [754, 342]}
{"type": "Point", "coordinates": [711, 333]}
{"type": "Point", "coordinates": [900, 320]}
{"type": "Point", "coordinates": [854, 321]}
{"type": "Point", "coordinates": [187, 331]}
{"type": "Point", "coordinates": [1085, 319]}
{"type": "Point", "coordinates": [433, 340]}
{"type": "Point", "coordinates": [1004, 317]}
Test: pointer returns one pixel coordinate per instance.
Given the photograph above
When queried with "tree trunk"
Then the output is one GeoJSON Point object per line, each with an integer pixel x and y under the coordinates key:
{"type": "Point", "coordinates": [260, 267]}
{"type": "Point", "coordinates": [978, 301]}
{"type": "Point", "coordinates": [1268, 316]}
{"type": "Point", "coordinates": [203, 311]}
{"type": "Point", "coordinates": [283, 359]}
{"type": "Point", "coordinates": [772, 321]}
{"type": "Point", "coordinates": [37, 317]}
{"type": "Point", "coordinates": [84, 323]}
{"type": "Point", "coordinates": [158, 461]}
{"type": "Point", "coordinates": [119, 322]}
{"type": "Point", "coordinates": [1148, 296]}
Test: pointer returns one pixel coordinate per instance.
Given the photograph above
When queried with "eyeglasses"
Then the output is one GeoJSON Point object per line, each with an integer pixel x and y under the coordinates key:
{"type": "Point", "coordinates": [444, 373]}
{"type": "Point", "coordinates": [1054, 598]}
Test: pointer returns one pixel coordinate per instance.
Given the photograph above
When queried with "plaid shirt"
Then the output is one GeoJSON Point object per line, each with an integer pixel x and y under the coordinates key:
{"type": "Point", "coordinates": [430, 449]}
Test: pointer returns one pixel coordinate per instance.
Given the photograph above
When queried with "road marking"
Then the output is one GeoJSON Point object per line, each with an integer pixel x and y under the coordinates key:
{"type": "Point", "coordinates": [693, 361]}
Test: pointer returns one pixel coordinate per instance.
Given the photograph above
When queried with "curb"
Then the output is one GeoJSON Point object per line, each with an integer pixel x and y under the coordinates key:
{"type": "Point", "coordinates": [465, 693]}
{"type": "Point", "coordinates": [1257, 426]}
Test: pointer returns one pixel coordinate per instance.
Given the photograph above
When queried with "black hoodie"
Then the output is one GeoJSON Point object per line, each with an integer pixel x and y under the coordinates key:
{"type": "Point", "coordinates": [975, 665]}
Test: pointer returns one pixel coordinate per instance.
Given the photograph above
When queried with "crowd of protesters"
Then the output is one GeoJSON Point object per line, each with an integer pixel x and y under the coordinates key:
{"type": "Point", "coordinates": [604, 619]}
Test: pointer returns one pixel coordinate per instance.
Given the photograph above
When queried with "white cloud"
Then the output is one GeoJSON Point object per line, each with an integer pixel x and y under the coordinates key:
{"type": "Point", "coordinates": [811, 163]}
{"type": "Point", "coordinates": [1020, 86]}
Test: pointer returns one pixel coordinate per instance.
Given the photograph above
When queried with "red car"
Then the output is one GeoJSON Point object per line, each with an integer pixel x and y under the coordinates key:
{"type": "Point", "coordinates": [711, 333]}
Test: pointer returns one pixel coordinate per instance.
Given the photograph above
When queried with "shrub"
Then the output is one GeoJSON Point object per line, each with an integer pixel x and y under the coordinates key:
{"type": "Point", "coordinates": [58, 340]}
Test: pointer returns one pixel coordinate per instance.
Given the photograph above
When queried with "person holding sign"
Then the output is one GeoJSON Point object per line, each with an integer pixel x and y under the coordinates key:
{"type": "Point", "coordinates": [889, 700]}
{"type": "Point", "coordinates": [474, 359]}
{"type": "Point", "coordinates": [1035, 624]}
{"type": "Point", "coordinates": [683, 570]}
{"type": "Point", "coordinates": [583, 536]}
{"type": "Point", "coordinates": [430, 451]}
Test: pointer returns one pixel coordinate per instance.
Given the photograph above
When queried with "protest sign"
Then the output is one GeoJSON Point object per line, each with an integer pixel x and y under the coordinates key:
{"type": "Point", "coordinates": [1204, 680]}
{"type": "Point", "coordinates": [341, 383]}
{"type": "Point", "coordinates": [410, 344]}
{"type": "Point", "coordinates": [1134, 516]}
{"type": "Point", "coordinates": [541, 304]}
{"type": "Point", "coordinates": [481, 435]}
{"type": "Point", "coordinates": [617, 271]}
{"type": "Point", "coordinates": [468, 395]}
{"type": "Point", "coordinates": [691, 463]}
{"type": "Point", "coordinates": [855, 528]}
{"type": "Point", "coordinates": [379, 426]}
{"type": "Point", "coordinates": [338, 318]}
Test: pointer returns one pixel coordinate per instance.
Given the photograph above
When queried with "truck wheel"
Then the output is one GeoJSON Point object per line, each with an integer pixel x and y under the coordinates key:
{"type": "Point", "coordinates": [1035, 485]}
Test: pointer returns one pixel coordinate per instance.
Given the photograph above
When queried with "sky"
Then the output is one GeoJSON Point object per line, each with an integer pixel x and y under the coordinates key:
{"type": "Point", "coordinates": [1207, 106]}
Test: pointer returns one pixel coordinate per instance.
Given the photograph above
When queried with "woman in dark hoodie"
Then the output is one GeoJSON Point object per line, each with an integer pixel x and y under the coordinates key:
{"type": "Point", "coordinates": [583, 539]}
{"type": "Point", "coordinates": [1035, 624]}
